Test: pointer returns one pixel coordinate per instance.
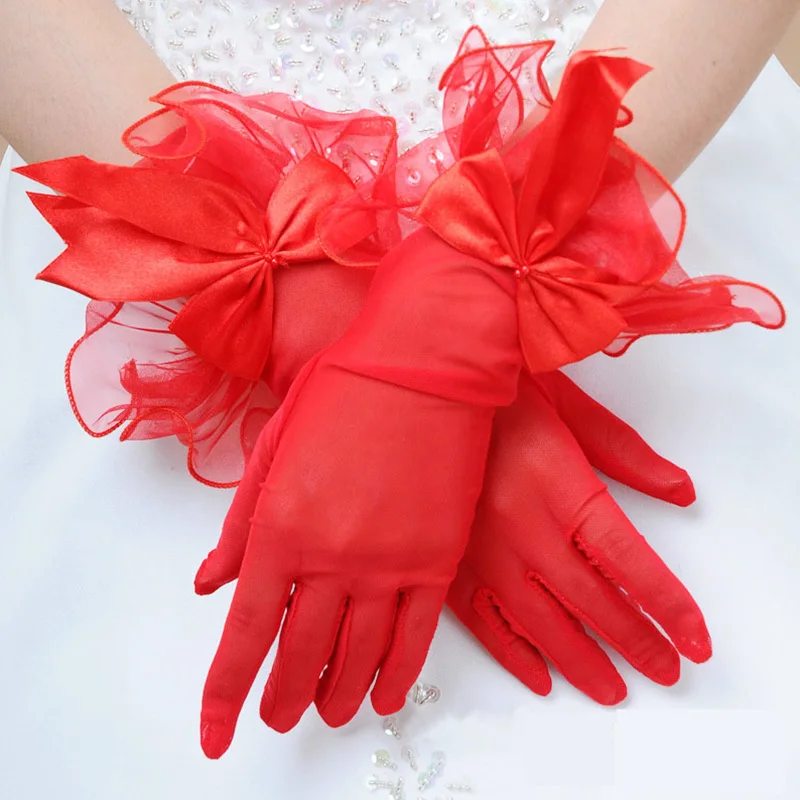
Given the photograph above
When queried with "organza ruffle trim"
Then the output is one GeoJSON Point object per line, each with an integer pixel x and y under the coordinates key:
{"type": "Point", "coordinates": [181, 253]}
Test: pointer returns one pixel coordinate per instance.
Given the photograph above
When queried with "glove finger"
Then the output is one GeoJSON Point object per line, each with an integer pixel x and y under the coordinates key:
{"type": "Point", "coordinates": [614, 447]}
{"type": "Point", "coordinates": [250, 629]}
{"type": "Point", "coordinates": [477, 609]}
{"type": "Point", "coordinates": [363, 641]}
{"type": "Point", "coordinates": [616, 549]}
{"type": "Point", "coordinates": [414, 626]}
{"type": "Point", "coordinates": [589, 597]}
{"type": "Point", "coordinates": [223, 563]}
{"type": "Point", "coordinates": [516, 624]}
{"type": "Point", "coordinates": [306, 643]}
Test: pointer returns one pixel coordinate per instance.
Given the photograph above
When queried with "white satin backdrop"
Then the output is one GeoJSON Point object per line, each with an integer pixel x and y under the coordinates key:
{"type": "Point", "coordinates": [105, 647]}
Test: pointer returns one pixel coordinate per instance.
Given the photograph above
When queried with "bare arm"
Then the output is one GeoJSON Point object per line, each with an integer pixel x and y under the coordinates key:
{"type": "Point", "coordinates": [705, 56]}
{"type": "Point", "coordinates": [789, 49]}
{"type": "Point", "coordinates": [70, 86]}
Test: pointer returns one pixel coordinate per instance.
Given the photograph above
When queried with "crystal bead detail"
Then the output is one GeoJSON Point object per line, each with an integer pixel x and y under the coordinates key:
{"type": "Point", "coordinates": [374, 783]}
{"type": "Point", "coordinates": [409, 755]}
{"type": "Point", "coordinates": [391, 727]}
{"type": "Point", "coordinates": [426, 778]}
{"type": "Point", "coordinates": [383, 760]}
{"type": "Point", "coordinates": [424, 693]}
{"type": "Point", "coordinates": [430, 781]}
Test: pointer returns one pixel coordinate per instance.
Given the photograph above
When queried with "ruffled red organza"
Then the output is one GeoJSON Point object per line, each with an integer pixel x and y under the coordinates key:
{"type": "Point", "coordinates": [180, 253]}
{"type": "Point", "coordinates": [180, 263]}
{"type": "Point", "coordinates": [590, 229]}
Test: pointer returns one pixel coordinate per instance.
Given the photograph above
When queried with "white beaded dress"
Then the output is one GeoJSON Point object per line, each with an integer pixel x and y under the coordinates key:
{"type": "Point", "coordinates": [104, 645]}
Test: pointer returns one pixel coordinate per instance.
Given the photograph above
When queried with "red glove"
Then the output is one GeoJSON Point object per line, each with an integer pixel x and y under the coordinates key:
{"type": "Point", "coordinates": [180, 255]}
{"type": "Point", "coordinates": [550, 549]}
{"type": "Point", "coordinates": [361, 493]}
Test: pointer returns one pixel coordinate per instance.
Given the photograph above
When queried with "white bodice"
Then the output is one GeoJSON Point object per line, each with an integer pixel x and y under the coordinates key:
{"type": "Point", "coordinates": [344, 55]}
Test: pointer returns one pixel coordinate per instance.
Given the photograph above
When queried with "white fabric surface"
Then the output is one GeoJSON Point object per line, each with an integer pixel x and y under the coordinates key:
{"type": "Point", "coordinates": [386, 55]}
{"type": "Point", "coordinates": [105, 647]}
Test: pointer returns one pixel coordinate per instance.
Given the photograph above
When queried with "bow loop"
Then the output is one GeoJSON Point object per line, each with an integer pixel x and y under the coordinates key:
{"type": "Point", "coordinates": [297, 204]}
{"type": "Point", "coordinates": [472, 208]}
{"type": "Point", "coordinates": [547, 343]}
{"type": "Point", "coordinates": [566, 155]}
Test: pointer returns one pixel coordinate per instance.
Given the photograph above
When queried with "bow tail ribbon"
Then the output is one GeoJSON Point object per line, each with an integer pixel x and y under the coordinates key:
{"type": "Point", "coordinates": [136, 234]}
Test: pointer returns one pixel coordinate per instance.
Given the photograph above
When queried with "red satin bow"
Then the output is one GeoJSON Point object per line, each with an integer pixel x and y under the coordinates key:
{"type": "Point", "coordinates": [140, 234]}
{"type": "Point", "coordinates": [570, 220]}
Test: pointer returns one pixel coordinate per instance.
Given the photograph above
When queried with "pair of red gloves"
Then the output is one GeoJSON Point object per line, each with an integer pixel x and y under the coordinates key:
{"type": "Point", "coordinates": [426, 450]}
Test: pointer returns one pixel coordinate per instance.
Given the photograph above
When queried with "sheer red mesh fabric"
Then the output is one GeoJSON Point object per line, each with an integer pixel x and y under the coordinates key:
{"type": "Point", "coordinates": [678, 303]}
{"type": "Point", "coordinates": [549, 549]}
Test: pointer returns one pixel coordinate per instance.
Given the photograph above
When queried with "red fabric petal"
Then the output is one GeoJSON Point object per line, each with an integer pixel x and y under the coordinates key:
{"type": "Point", "coordinates": [249, 142]}
{"type": "Point", "coordinates": [297, 204]}
{"type": "Point", "coordinates": [130, 373]}
{"type": "Point", "coordinates": [697, 305]}
{"type": "Point", "coordinates": [230, 323]}
{"type": "Point", "coordinates": [620, 234]}
{"type": "Point", "coordinates": [559, 324]}
{"type": "Point", "coordinates": [472, 207]}
{"type": "Point", "coordinates": [488, 91]}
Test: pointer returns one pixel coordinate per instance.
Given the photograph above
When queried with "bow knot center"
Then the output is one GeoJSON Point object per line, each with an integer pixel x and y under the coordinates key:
{"type": "Point", "coordinates": [275, 260]}
{"type": "Point", "coordinates": [523, 272]}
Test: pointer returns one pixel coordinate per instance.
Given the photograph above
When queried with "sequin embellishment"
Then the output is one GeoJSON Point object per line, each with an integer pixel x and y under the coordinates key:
{"type": "Point", "coordinates": [344, 55]}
